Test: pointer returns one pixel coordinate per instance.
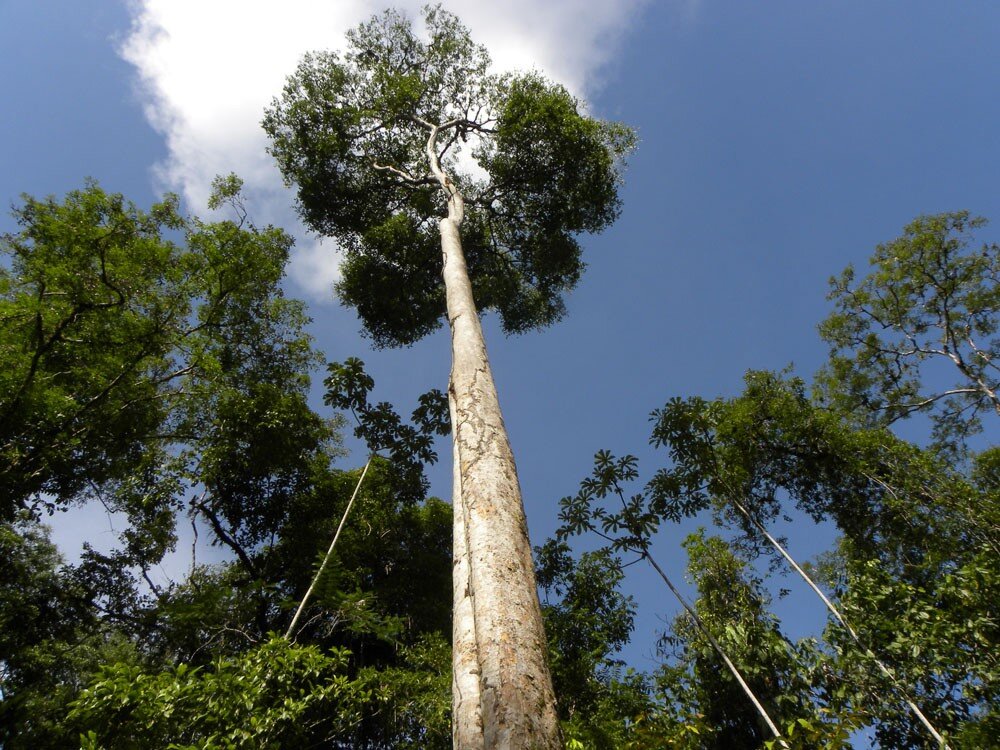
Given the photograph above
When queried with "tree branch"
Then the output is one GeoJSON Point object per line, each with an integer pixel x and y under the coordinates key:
{"type": "Point", "coordinates": [225, 537]}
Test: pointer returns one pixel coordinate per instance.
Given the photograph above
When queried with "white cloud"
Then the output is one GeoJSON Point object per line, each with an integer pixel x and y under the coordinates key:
{"type": "Point", "coordinates": [208, 68]}
{"type": "Point", "coordinates": [314, 267]}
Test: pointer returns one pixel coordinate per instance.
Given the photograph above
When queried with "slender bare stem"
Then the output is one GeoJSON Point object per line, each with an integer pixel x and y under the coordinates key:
{"type": "Point", "coordinates": [718, 649]}
{"type": "Point", "coordinates": [329, 552]}
{"type": "Point", "coordinates": [840, 618]}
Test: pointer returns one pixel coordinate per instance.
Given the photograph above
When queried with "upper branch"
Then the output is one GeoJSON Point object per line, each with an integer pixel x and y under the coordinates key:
{"type": "Point", "coordinates": [456, 206]}
{"type": "Point", "coordinates": [404, 177]}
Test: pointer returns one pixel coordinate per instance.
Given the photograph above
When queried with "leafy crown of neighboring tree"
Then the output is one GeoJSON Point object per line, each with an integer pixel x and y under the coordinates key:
{"type": "Point", "coordinates": [145, 352]}
{"type": "Point", "coordinates": [153, 364]}
{"type": "Point", "coordinates": [928, 311]}
{"type": "Point", "coordinates": [915, 574]}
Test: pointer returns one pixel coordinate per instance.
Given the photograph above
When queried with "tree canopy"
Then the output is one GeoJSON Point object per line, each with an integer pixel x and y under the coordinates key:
{"type": "Point", "coordinates": [926, 314]}
{"type": "Point", "coordinates": [136, 346]}
{"type": "Point", "coordinates": [352, 133]}
{"type": "Point", "coordinates": [160, 370]}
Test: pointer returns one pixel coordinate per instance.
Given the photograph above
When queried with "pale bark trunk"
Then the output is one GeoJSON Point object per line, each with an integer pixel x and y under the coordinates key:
{"type": "Point", "coordinates": [517, 700]}
{"type": "Point", "coordinates": [466, 715]}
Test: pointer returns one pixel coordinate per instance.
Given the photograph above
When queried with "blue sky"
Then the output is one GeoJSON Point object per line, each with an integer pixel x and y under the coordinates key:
{"type": "Point", "coordinates": [780, 141]}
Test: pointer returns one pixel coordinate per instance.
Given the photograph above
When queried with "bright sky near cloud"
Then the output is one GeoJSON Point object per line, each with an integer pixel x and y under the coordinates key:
{"type": "Point", "coordinates": [207, 70]}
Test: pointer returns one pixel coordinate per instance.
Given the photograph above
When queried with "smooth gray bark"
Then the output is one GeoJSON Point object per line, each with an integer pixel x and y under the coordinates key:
{"type": "Point", "coordinates": [517, 702]}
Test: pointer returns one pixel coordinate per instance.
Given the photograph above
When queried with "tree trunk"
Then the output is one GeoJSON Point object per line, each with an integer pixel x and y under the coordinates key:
{"type": "Point", "coordinates": [466, 714]}
{"type": "Point", "coordinates": [517, 702]}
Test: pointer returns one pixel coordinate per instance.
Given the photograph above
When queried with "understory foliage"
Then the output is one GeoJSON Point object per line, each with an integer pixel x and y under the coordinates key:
{"type": "Point", "coordinates": [153, 365]}
{"type": "Point", "coordinates": [588, 621]}
{"type": "Point", "coordinates": [916, 572]}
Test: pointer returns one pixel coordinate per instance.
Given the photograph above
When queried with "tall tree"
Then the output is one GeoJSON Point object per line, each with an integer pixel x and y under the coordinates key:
{"type": "Point", "coordinates": [377, 142]}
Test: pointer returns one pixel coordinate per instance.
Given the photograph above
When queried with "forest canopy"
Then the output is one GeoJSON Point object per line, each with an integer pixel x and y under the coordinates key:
{"type": "Point", "coordinates": [146, 368]}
